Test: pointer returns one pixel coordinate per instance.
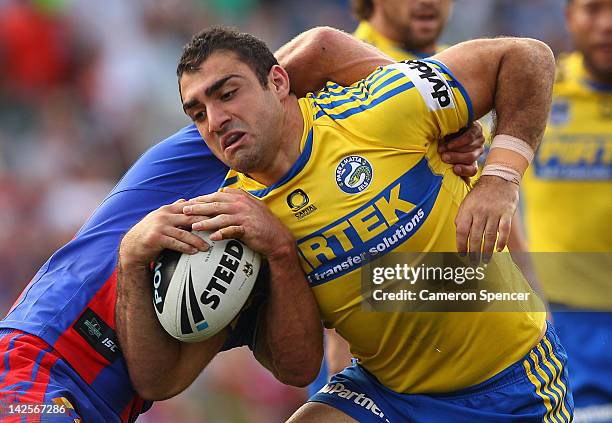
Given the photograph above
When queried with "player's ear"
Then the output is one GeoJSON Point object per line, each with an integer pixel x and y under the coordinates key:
{"type": "Point", "coordinates": [279, 81]}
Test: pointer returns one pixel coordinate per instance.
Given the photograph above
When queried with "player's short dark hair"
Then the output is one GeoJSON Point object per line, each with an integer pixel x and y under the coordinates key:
{"type": "Point", "coordinates": [362, 9]}
{"type": "Point", "coordinates": [248, 48]}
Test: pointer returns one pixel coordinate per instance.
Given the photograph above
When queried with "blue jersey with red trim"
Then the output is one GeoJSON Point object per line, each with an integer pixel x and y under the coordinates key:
{"type": "Point", "coordinates": [70, 303]}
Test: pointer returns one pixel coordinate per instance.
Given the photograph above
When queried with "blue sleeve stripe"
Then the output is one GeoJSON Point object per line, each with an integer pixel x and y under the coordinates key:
{"type": "Point", "coordinates": [367, 94]}
{"type": "Point", "coordinates": [454, 81]}
{"type": "Point", "coordinates": [363, 107]}
{"type": "Point", "coordinates": [360, 92]}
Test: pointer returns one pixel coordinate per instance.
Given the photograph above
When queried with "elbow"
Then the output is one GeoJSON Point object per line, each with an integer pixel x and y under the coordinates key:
{"type": "Point", "coordinates": [301, 370]}
{"type": "Point", "coordinates": [539, 56]}
{"type": "Point", "coordinates": [322, 36]}
{"type": "Point", "coordinates": [154, 389]}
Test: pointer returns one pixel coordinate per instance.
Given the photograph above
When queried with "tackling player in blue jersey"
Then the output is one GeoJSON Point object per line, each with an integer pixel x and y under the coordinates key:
{"type": "Point", "coordinates": [59, 343]}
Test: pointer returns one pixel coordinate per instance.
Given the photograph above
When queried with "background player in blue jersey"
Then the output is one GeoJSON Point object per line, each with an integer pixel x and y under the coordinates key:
{"type": "Point", "coordinates": [225, 97]}
{"type": "Point", "coordinates": [58, 343]}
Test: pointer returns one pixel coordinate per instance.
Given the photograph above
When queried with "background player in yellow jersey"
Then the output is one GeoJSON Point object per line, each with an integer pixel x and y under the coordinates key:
{"type": "Point", "coordinates": [364, 158]}
{"type": "Point", "coordinates": [402, 29]}
{"type": "Point", "coordinates": [568, 207]}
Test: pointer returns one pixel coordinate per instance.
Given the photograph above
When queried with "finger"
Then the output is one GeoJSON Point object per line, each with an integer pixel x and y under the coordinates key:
{"type": "Point", "coordinates": [475, 239]}
{"type": "Point", "coordinates": [463, 222]}
{"type": "Point", "coordinates": [490, 236]}
{"type": "Point", "coordinates": [180, 220]}
{"type": "Point", "coordinates": [468, 148]}
{"type": "Point", "coordinates": [234, 191]}
{"type": "Point", "coordinates": [505, 225]}
{"type": "Point", "coordinates": [171, 243]}
{"type": "Point", "coordinates": [215, 223]}
{"type": "Point", "coordinates": [177, 206]}
{"type": "Point", "coordinates": [187, 237]}
{"type": "Point", "coordinates": [221, 196]}
{"type": "Point", "coordinates": [471, 139]}
{"type": "Point", "coordinates": [214, 208]}
{"type": "Point", "coordinates": [453, 157]}
{"type": "Point", "coordinates": [465, 171]}
{"type": "Point", "coordinates": [233, 232]}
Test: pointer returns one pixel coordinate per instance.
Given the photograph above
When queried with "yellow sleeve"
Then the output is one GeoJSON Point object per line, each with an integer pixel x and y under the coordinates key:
{"type": "Point", "coordinates": [405, 105]}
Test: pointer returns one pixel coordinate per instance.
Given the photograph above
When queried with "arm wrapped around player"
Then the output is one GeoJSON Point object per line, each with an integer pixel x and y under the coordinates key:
{"type": "Point", "coordinates": [289, 335]}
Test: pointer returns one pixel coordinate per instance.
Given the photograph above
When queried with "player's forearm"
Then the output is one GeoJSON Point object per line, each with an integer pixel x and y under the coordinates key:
{"type": "Point", "coordinates": [149, 352]}
{"type": "Point", "coordinates": [160, 367]}
{"type": "Point", "coordinates": [291, 332]}
{"type": "Point", "coordinates": [326, 54]}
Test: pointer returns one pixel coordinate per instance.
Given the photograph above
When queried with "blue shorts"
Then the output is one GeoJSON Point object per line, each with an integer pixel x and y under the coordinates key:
{"type": "Point", "coordinates": [37, 385]}
{"type": "Point", "coordinates": [587, 338]}
{"type": "Point", "coordinates": [534, 389]}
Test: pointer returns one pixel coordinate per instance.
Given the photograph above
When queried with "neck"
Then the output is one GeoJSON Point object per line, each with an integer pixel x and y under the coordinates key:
{"type": "Point", "coordinates": [391, 33]}
{"type": "Point", "coordinates": [292, 128]}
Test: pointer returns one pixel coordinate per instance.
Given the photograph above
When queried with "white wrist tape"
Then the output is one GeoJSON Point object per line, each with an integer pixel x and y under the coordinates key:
{"type": "Point", "coordinates": [504, 172]}
{"type": "Point", "coordinates": [511, 143]}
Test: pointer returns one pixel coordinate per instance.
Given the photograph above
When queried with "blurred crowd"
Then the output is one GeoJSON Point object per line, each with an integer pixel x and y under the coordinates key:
{"type": "Point", "coordinates": [86, 86]}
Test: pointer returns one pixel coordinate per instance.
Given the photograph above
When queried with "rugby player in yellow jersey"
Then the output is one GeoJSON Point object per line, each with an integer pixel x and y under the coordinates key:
{"type": "Point", "coordinates": [568, 207]}
{"type": "Point", "coordinates": [364, 159]}
{"type": "Point", "coordinates": [403, 30]}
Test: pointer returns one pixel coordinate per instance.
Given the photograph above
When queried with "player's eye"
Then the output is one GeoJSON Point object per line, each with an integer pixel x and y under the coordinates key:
{"type": "Point", "coordinates": [199, 116]}
{"type": "Point", "coordinates": [228, 95]}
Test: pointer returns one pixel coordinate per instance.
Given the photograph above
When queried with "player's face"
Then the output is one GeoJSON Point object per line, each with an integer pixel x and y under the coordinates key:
{"type": "Point", "coordinates": [590, 23]}
{"type": "Point", "coordinates": [238, 118]}
{"type": "Point", "coordinates": [418, 23]}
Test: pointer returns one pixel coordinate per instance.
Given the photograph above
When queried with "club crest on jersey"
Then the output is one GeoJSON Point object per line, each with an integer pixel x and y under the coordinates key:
{"type": "Point", "coordinates": [353, 174]}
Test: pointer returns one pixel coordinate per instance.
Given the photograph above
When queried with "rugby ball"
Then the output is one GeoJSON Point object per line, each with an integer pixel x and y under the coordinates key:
{"type": "Point", "coordinates": [197, 295]}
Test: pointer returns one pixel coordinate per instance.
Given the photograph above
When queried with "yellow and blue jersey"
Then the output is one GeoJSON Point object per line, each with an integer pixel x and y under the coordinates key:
{"type": "Point", "coordinates": [369, 181]}
{"type": "Point", "coordinates": [568, 190]}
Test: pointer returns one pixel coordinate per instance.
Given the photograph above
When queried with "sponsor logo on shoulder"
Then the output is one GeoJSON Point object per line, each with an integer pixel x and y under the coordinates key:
{"type": "Point", "coordinates": [430, 83]}
{"type": "Point", "coordinates": [358, 398]}
{"type": "Point", "coordinates": [354, 174]}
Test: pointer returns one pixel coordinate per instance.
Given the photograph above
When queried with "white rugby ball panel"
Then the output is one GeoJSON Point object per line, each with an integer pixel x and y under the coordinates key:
{"type": "Point", "coordinates": [198, 295]}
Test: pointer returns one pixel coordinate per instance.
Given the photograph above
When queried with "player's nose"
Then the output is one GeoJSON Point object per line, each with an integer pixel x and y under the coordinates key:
{"type": "Point", "coordinates": [217, 119]}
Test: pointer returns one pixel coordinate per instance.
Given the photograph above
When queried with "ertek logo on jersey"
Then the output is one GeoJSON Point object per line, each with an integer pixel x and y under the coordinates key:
{"type": "Point", "coordinates": [353, 174]}
{"type": "Point", "coordinates": [430, 82]}
{"type": "Point", "coordinates": [379, 225]}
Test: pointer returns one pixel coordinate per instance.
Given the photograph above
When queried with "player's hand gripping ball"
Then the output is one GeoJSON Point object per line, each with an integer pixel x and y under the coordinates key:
{"type": "Point", "coordinates": [197, 295]}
